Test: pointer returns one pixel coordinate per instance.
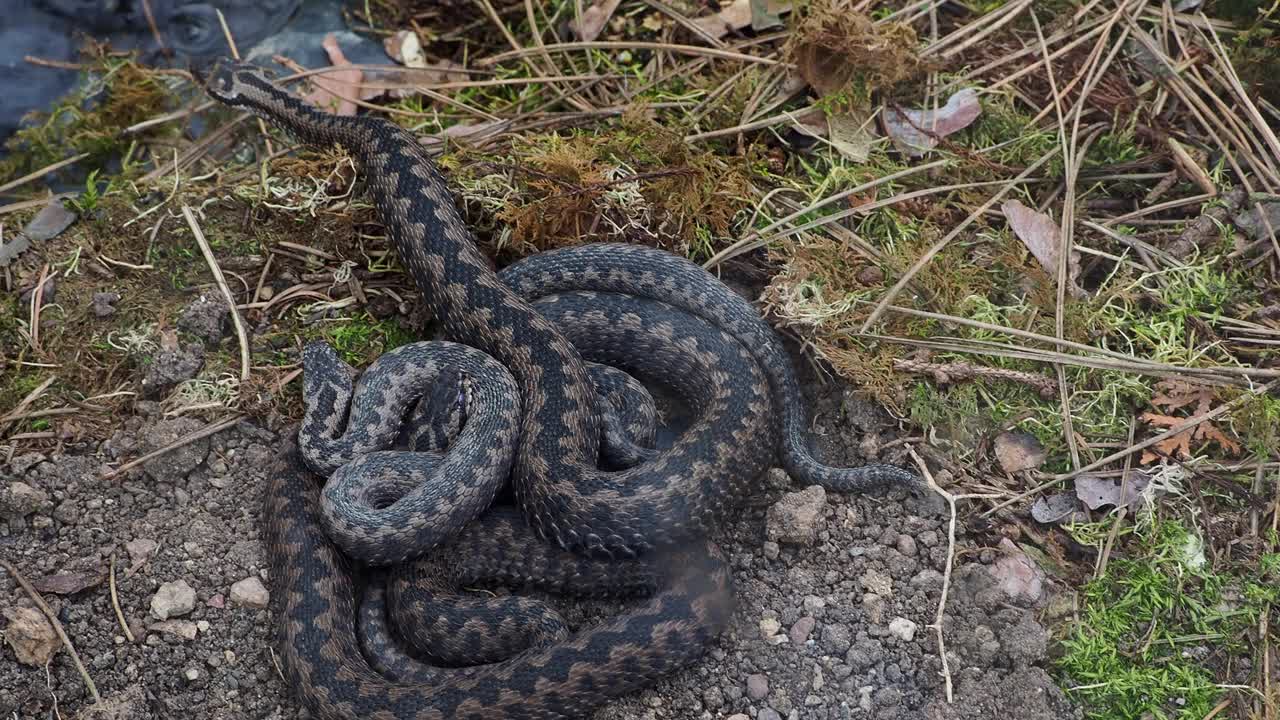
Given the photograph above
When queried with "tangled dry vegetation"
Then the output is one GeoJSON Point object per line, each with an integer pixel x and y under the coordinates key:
{"type": "Point", "coordinates": [1041, 234]}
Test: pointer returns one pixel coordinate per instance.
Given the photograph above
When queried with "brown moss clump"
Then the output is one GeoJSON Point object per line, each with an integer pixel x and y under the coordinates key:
{"type": "Point", "coordinates": [639, 182]}
{"type": "Point", "coordinates": [832, 47]}
{"type": "Point", "coordinates": [131, 94]}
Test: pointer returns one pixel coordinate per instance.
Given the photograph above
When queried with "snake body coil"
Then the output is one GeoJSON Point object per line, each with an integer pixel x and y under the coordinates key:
{"type": "Point", "coordinates": [543, 319]}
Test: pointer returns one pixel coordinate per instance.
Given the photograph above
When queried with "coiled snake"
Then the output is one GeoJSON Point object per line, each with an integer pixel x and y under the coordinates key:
{"type": "Point", "coordinates": [541, 320]}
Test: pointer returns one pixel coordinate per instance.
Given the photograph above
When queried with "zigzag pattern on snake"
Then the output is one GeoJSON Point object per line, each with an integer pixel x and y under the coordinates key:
{"type": "Point", "coordinates": [668, 499]}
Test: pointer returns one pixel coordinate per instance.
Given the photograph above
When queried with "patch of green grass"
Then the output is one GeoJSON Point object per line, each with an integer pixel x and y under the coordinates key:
{"type": "Point", "coordinates": [1116, 146]}
{"type": "Point", "coordinates": [1017, 142]}
{"type": "Point", "coordinates": [1257, 424]}
{"type": "Point", "coordinates": [1154, 627]}
{"type": "Point", "coordinates": [360, 339]}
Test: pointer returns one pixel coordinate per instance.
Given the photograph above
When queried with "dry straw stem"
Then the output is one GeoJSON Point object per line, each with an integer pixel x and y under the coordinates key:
{"type": "Point", "coordinates": [183, 441]}
{"type": "Point", "coordinates": [630, 45]}
{"type": "Point", "coordinates": [115, 600]}
{"type": "Point", "coordinates": [57, 627]}
{"type": "Point", "coordinates": [241, 336]}
{"type": "Point", "coordinates": [951, 500]}
{"type": "Point", "coordinates": [37, 174]}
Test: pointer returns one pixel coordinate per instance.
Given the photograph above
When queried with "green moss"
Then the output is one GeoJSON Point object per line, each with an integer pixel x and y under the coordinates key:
{"type": "Point", "coordinates": [361, 339]}
{"type": "Point", "coordinates": [1127, 657]}
{"type": "Point", "coordinates": [130, 95]}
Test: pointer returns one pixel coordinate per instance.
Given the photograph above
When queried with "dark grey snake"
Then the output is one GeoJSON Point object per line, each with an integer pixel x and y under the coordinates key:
{"type": "Point", "coordinates": [533, 415]}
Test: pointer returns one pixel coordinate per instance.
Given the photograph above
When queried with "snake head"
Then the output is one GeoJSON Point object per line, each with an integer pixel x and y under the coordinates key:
{"type": "Point", "coordinates": [228, 80]}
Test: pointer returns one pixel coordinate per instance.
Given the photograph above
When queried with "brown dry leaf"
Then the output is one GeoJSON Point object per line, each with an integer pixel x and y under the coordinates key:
{"type": "Point", "coordinates": [739, 14]}
{"type": "Point", "coordinates": [594, 19]}
{"type": "Point", "coordinates": [734, 16]}
{"type": "Point", "coordinates": [69, 583]}
{"type": "Point", "coordinates": [1019, 451]}
{"type": "Point", "coordinates": [1039, 233]}
{"type": "Point", "coordinates": [29, 633]}
{"type": "Point", "coordinates": [1179, 445]}
{"type": "Point", "coordinates": [851, 133]}
{"type": "Point", "coordinates": [333, 89]}
{"type": "Point", "coordinates": [1174, 394]}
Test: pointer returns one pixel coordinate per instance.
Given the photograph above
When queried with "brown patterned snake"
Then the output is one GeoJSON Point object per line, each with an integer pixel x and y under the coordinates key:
{"type": "Point", "coordinates": [649, 510]}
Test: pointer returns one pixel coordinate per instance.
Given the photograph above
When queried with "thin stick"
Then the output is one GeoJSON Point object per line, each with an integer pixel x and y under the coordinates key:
{"type": "Point", "coordinates": [57, 627]}
{"type": "Point", "coordinates": [41, 172]}
{"type": "Point", "coordinates": [946, 573]}
{"type": "Point", "coordinates": [618, 45]}
{"type": "Point", "coordinates": [222, 285]}
{"type": "Point", "coordinates": [115, 600]}
{"type": "Point", "coordinates": [180, 442]}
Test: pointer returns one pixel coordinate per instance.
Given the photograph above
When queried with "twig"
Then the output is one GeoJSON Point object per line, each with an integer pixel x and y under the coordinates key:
{"type": "Point", "coordinates": [619, 45]}
{"type": "Point", "coordinates": [951, 552]}
{"type": "Point", "coordinates": [57, 627]}
{"type": "Point", "coordinates": [115, 600]}
{"type": "Point", "coordinates": [222, 285]}
{"type": "Point", "coordinates": [944, 373]}
{"type": "Point", "coordinates": [41, 172]}
{"type": "Point", "coordinates": [180, 442]}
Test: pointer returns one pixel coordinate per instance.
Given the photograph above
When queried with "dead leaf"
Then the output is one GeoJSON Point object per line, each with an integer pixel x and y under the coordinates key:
{"type": "Point", "coordinates": [1019, 451]}
{"type": "Point", "coordinates": [32, 638]}
{"type": "Point", "coordinates": [766, 14]}
{"type": "Point", "coordinates": [1096, 492]}
{"type": "Point", "coordinates": [334, 91]}
{"type": "Point", "coordinates": [405, 48]}
{"type": "Point", "coordinates": [1017, 574]}
{"type": "Point", "coordinates": [851, 134]}
{"type": "Point", "coordinates": [1039, 233]}
{"type": "Point", "coordinates": [734, 16]}
{"type": "Point", "coordinates": [918, 131]}
{"type": "Point", "coordinates": [69, 583]}
{"type": "Point", "coordinates": [50, 222]}
{"type": "Point", "coordinates": [1255, 218]}
{"type": "Point", "coordinates": [1174, 394]}
{"type": "Point", "coordinates": [739, 14]}
{"type": "Point", "coordinates": [1055, 507]}
{"type": "Point", "coordinates": [594, 19]}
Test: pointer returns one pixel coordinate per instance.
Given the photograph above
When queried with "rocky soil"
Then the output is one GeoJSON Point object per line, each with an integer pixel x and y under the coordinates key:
{"type": "Point", "coordinates": [836, 595]}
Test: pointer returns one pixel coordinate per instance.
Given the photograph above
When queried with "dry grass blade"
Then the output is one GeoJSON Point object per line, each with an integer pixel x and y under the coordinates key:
{"type": "Point", "coordinates": [207, 251]}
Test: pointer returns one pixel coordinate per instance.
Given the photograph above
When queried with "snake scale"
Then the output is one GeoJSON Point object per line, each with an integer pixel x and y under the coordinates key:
{"type": "Point", "coordinates": [525, 337]}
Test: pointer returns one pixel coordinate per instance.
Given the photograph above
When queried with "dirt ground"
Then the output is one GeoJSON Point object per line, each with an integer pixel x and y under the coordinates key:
{"type": "Point", "coordinates": [836, 594]}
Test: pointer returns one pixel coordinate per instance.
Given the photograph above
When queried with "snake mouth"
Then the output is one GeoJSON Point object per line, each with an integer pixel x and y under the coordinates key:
{"type": "Point", "coordinates": [217, 77]}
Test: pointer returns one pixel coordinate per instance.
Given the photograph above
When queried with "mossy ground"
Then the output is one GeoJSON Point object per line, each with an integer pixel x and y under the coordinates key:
{"type": "Point", "coordinates": [660, 149]}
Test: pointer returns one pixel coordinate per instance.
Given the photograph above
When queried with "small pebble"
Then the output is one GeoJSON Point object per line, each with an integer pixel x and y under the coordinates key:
{"type": "Point", "coordinates": [757, 686]}
{"type": "Point", "coordinates": [802, 629]}
{"type": "Point", "coordinates": [173, 599]}
{"type": "Point", "coordinates": [250, 593]}
{"type": "Point", "coordinates": [907, 545]}
{"type": "Point", "coordinates": [903, 629]}
{"type": "Point", "coordinates": [815, 605]}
